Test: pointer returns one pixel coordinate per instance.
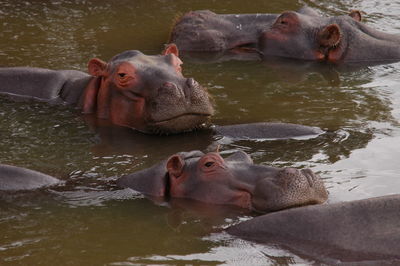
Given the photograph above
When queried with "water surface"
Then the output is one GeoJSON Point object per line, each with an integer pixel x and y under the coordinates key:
{"type": "Point", "coordinates": [89, 221]}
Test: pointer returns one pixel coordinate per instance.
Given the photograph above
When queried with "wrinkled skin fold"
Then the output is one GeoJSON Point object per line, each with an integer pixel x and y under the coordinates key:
{"type": "Point", "coordinates": [235, 180]}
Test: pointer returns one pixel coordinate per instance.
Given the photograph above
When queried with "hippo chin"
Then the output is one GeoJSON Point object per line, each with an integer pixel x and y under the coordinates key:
{"type": "Point", "coordinates": [205, 31]}
{"type": "Point", "coordinates": [308, 36]}
{"type": "Point", "coordinates": [234, 180]}
{"type": "Point", "coordinates": [365, 232]}
{"type": "Point", "coordinates": [145, 92]}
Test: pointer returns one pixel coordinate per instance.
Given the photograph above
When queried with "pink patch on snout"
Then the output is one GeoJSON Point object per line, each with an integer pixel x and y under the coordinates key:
{"type": "Point", "coordinates": [334, 55]}
{"type": "Point", "coordinates": [128, 113]}
{"type": "Point", "coordinates": [319, 56]}
{"type": "Point", "coordinates": [243, 200]}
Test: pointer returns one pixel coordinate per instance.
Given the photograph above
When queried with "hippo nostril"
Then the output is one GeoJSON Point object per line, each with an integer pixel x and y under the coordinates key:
{"type": "Point", "coordinates": [192, 83]}
{"type": "Point", "coordinates": [310, 176]}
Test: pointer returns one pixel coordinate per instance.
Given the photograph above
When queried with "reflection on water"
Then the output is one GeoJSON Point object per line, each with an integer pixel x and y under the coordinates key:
{"type": "Point", "coordinates": [89, 221]}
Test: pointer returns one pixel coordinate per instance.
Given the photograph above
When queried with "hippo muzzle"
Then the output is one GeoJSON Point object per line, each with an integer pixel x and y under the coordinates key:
{"type": "Point", "coordinates": [178, 107]}
{"type": "Point", "coordinates": [286, 188]}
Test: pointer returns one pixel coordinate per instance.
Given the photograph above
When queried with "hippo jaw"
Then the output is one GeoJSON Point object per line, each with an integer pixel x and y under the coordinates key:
{"type": "Point", "coordinates": [178, 124]}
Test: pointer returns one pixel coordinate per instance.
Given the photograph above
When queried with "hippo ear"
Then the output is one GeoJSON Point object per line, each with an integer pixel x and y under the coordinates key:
{"type": "Point", "coordinates": [96, 67]}
{"type": "Point", "coordinates": [330, 36]}
{"type": "Point", "coordinates": [356, 15]}
{"type": "Point", "coordinates": [171, 49]}
{"type": "Point", "coordinates": [175, 165]}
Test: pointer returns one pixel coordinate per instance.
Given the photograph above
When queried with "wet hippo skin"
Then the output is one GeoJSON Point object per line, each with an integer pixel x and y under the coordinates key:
{"type": "Point", "coordinates": [235, 180]}
{"type": "Point", "coordinates": [357, 231]}
{"type": "Point", "coordinates": [18, 178]}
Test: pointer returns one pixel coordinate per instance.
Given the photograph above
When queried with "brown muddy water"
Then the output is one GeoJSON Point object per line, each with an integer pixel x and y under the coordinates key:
{"type": "Point", "coordinates": [88, 221]}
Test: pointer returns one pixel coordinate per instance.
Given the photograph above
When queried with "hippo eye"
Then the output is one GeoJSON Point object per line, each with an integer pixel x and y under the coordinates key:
{"type": "Point", "coordinates": [121, 75]}
{"type": "Point", "coordinates": [209, 164]}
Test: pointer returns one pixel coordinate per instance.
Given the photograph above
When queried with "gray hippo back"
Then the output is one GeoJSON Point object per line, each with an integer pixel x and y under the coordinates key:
{"type": "Point", "coordinates": [359, 231]}
{"type": "Point", "coordinates": [17, 178]}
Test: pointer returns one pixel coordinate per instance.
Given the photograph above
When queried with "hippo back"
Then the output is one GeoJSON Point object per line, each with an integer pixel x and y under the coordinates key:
{"type": "Point", "coordinates": [363, 230]}
{"type": "Point", "coordinates": [16, 178]}
{"type": "Point", "coordinates": [40, 84]}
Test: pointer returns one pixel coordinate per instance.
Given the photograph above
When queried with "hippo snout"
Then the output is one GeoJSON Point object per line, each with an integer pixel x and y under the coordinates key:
{"type": "Point", "coordinates": [192, 83]}
{"type": "Point", "coordinates": [288, 187]}
{"type": "Point", "coordinates": [310, 176]}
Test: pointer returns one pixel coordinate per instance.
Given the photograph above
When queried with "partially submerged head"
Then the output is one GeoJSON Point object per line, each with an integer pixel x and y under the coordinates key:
{"type": "Point", "coordinates": [308, 36]}
{"type": "Point", "coordinates": [146, 92]}
{"type": "Point", "coordinates": [234, 180]}
{"type": "Point", "coordinates": [206, 31]}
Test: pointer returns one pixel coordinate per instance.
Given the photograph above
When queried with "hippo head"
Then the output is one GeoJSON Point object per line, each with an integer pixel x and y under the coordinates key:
{"type": "Point", "coordinates": [308, 36]}
{"type": "Point", "coordinates": [234, 180]}
{"type": "Point", "coordinates": [148, 93]}
{"type": "Point", "coordinates": [201, 31]}
{"type": "Point", "coordinates": [206, 31]}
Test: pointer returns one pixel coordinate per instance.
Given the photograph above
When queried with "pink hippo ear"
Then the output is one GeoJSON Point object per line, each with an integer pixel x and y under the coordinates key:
{"type": "Point", "coordinates": [356, 15]}
{"type": "Point", "coordinates": [88, 101]}
{"type": "Point", "coordinates": [171, 49]}
{"type": "Point", "coordinates": [330, 36]}
{"type": "Point", "coordinates": [96, 67]}
{"type": "Point", "coordinates": [175, 165]}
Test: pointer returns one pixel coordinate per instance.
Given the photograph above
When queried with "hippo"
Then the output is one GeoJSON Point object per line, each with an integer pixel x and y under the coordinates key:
{"type": "Point", "coordinates": [235, 181]}
{"type": "Point", "coordinates": [145, 92]}
{"type": "Point", "coordinates": [336, 39]}
{"type": "Point", "coordinates": [363, 231]}
{"type": "Point", "coordinates": [206, 31]}
{"type": "Point", "coordinates": [17, 178]}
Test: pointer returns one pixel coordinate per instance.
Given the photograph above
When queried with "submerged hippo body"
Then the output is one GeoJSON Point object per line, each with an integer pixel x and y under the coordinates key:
{"type": "Point", "coordinates": [206, 31]}
{"type": "Point", "coordinates": [148, 93]}
{"type": "Point", "coordinates": [308, 36]}
{"type": "Point", "coordinates": [357, 231]}
{"type": "Point", "coordinates": [16, 178]}
{"type": "Point", "coordinates": [234, 180]}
